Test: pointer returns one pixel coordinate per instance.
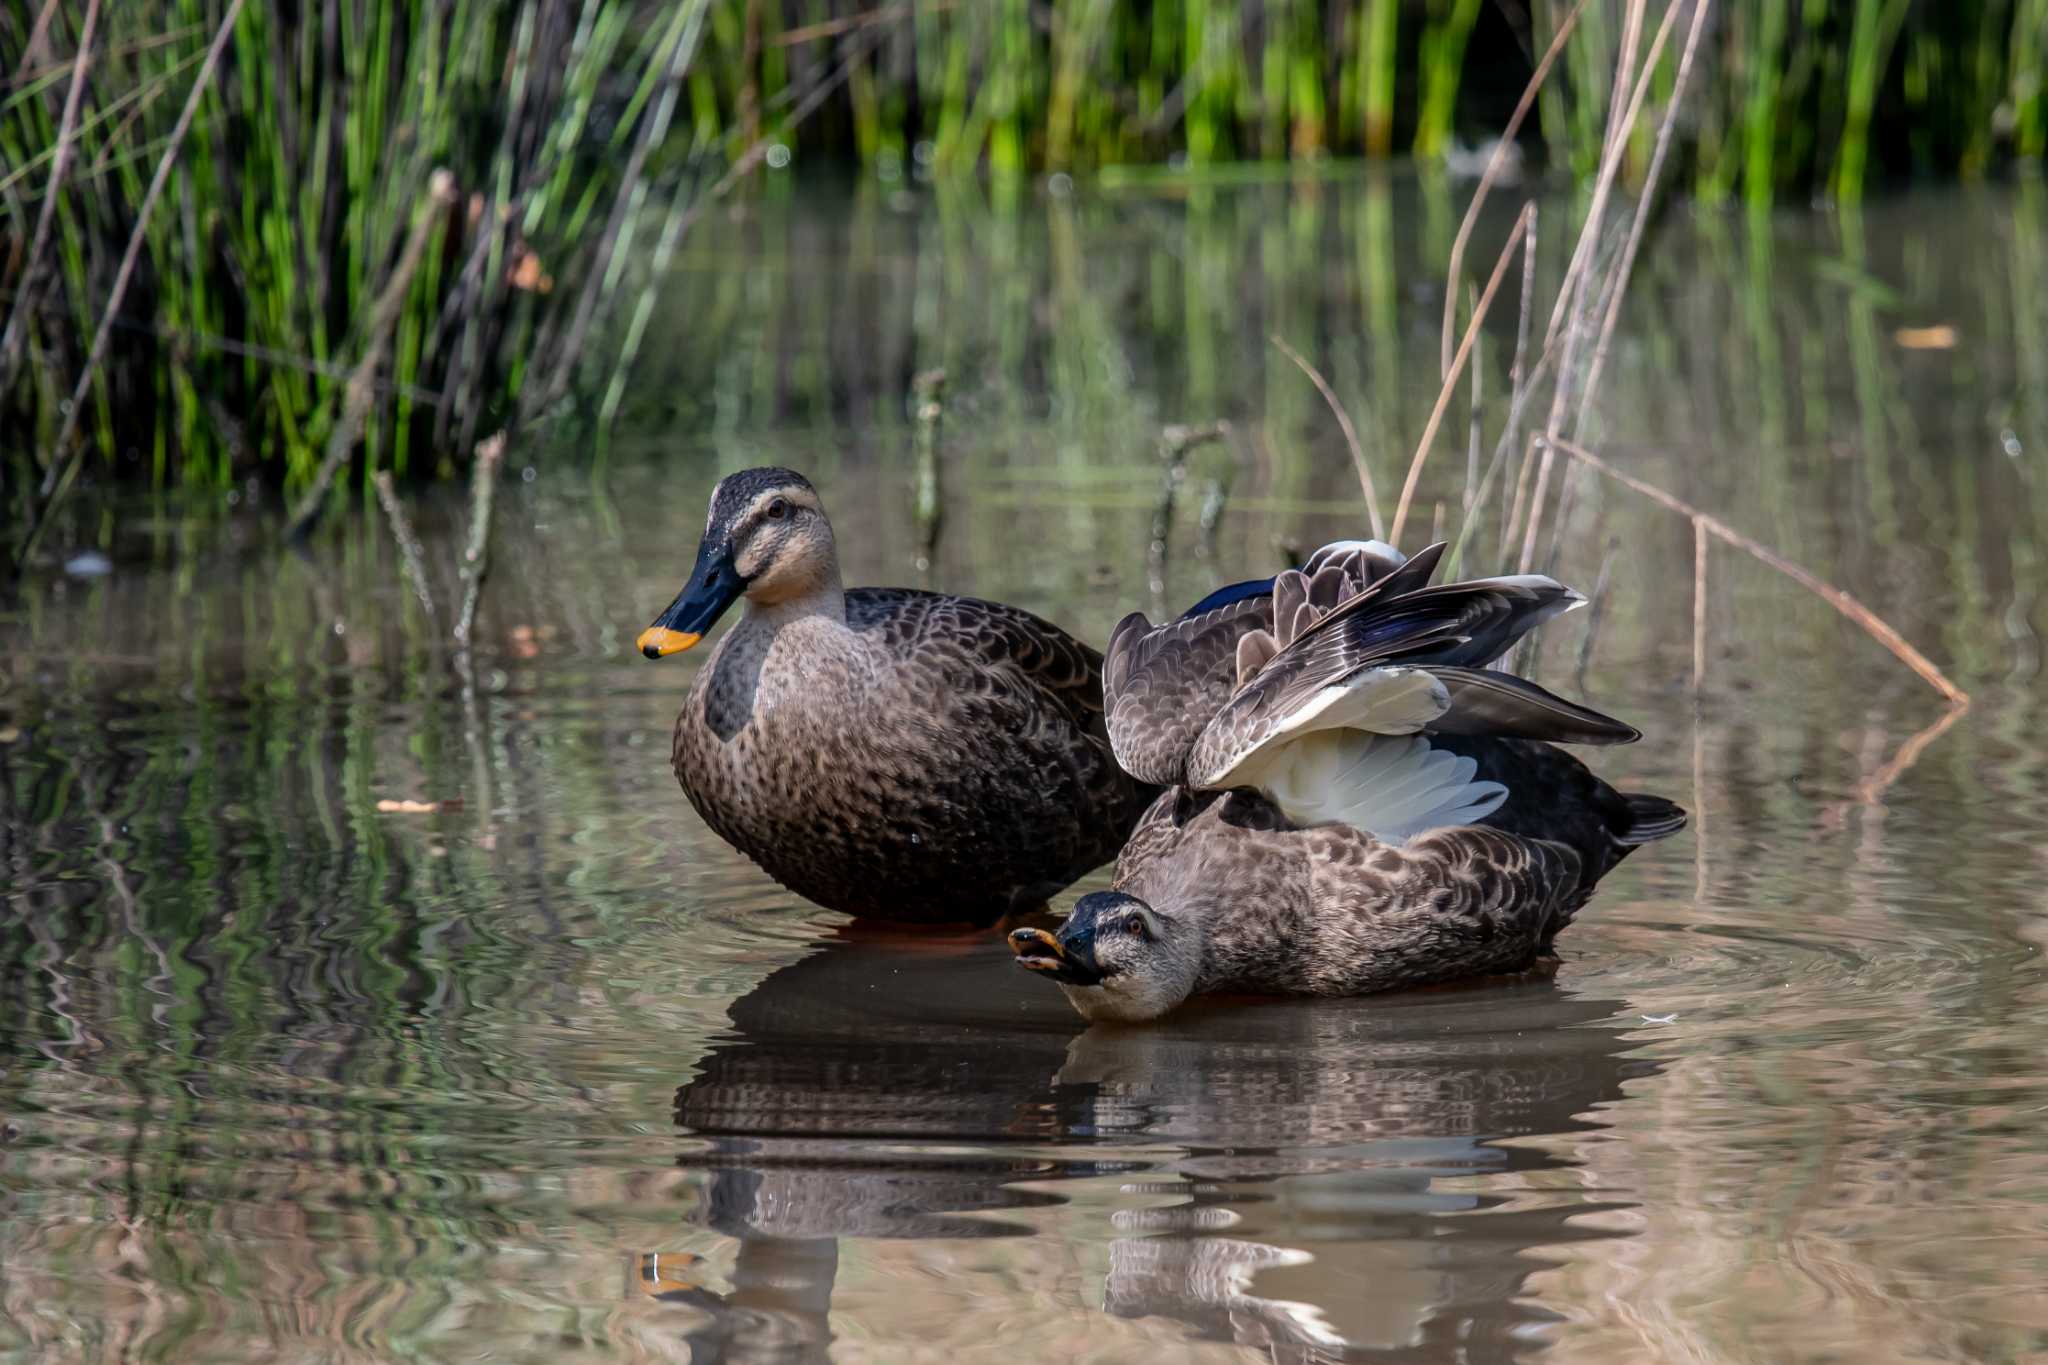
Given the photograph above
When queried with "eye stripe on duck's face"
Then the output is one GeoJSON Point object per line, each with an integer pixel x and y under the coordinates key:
{"type": "Point", "coordinates": [795, 502]}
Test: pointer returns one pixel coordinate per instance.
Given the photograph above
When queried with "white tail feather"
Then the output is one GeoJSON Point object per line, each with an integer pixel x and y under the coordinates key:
{"type": "Point", "coordinates": [1393, 787]}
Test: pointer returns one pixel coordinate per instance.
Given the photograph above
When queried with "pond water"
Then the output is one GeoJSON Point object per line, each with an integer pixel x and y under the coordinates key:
{"type": "Point", "coordinates": [547, 1073]}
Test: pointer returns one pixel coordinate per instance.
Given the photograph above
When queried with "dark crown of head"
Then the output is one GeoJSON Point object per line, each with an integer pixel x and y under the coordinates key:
{"type": "Point", "coordinates": [737, 491]}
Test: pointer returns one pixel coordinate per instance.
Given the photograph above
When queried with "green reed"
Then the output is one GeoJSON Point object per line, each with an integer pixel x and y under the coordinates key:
{"type": "Point", "coordinates": [305, 170]}
{"type": "Point", "coordinates": [578, 145]}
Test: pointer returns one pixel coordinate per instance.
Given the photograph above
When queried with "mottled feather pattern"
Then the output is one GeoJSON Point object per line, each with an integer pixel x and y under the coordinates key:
{"type": "Point", "coordinates": [1330, 910]}
{"type": "Point", "coordinates": [936, 733]}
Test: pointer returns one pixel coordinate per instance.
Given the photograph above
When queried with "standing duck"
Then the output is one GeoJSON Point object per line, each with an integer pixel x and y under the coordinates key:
{"type": "Point", "coordinates": [1357, 801]}
{"type": "Point", "coordinates": [877, 749]}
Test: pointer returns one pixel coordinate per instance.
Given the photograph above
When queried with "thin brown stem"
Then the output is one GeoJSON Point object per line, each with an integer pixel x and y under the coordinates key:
{"type": "Point", "coordinates": [1372, 501]}
{"type": "Point", "coordinates": [1443, 397]}
{"type": "Point", "coordinates": [1567, 314]}
{"type": "Point", "coordinates": [1873, 787]}
{"type": "Point", "coordinates": [1642, 214]}
{"type": "Point", "coordinates": [1492, 171]}
{"type": "Point", "coordinates": [1699, 603]}
{"type": "Point", "coordinates": [409, 552]}
{"type": "Point", "coordinates": [1872, 624]}
{"type": "Point", "coordinates": [476, 556]}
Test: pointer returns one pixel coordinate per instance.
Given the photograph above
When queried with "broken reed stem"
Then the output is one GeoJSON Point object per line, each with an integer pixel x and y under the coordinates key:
{"type": "Point", "coordinates": [65, 466]}
{"type": "Point", "coordinates": [1175, 442]}
{"type": "Point", "coordinates": [1874, 786]}
{"type": "Point", "coordinates": [409, 552]}
{"type": "Point", "coordinates": [26, 296]}
{"type": "Point", "coordinates": [1493, 165]}
{"type": "Point", "coordinates": [361, 389]}
{"type": "Point", "coordinates": [1443, 397]}
{"type": "Point", "coordinates": [1642, 214]}
{"type": "Point", "coordinates": [1519, 382]}
{"type": "Point", "coordinates": [1473, 428]}
{"type": "Point", "coordinates": [1372, 501]}
{"type": "Point", "coordinates": [476, 556]}
{"type": "Point", "coordinates": [1872, 624]}
{"type": "Point", "coordinates": [927, 507]}
{"type": "Point", "coordinates": [1699, 603]}
{"type": "Point", "coordinates": [1624, 69]}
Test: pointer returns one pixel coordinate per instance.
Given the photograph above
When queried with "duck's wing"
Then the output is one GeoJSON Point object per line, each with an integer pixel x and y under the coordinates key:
{"type": "Point", "coordinates": [1397, 662]}
{"type": "Point", "coordinates": [1164, 683]}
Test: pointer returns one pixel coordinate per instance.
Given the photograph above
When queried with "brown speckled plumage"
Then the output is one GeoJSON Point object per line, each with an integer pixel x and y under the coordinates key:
{"type": "Point", "coordinates": [903, 755]}
{"type": "Point", "coordinates": [1330, 910]}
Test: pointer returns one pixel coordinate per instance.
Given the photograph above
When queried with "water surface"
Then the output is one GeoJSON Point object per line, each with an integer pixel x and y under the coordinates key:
{"type": "Point", "coordinates": [550, 1074]}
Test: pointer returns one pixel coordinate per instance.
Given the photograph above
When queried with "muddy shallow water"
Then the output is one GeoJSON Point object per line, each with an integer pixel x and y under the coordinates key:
{"type": "Point", "coordinates": [550, 1074]}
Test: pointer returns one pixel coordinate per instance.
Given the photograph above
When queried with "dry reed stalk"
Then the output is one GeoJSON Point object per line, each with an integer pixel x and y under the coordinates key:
{"type": "Point", "coordinates": [1372, 501]}
{"type": "Point", "coordinates": [1175, 444]}
{"type": "Point", "coordinates": [1520, 381]}
{"type": "Point", "coordinates": [362, 381]}
{"type": "Point", "coordinates": [476, 556]}
{"type": "Point", "coordinates": [1493, 165]}
{"type": "Point", "coordinates": [28, 294]}
{"type": "Point", "coordinates": [1443, 397]}
{"type": "Point", "coordinates": [34, 45]}
{"type": "Point", "coordinates": [61, 474]}
{"type": "Point", "coordinates": [1472, 433]}
{"type": "Point", "coordinates": [1580, 268]}
{"type": "Point", "coordinates": [1873, 625]}
{"type": "Point", "coordinates": [409, 551]}
{"type": "Point", "coordinates": [928, 391]}
{"type": "Point", "coordinates": [1636, 227]}
{"type": "Point", "coordinates": [1874, 786]}
{"type": "Point", "coordinates": [1566, 313]}
{"type": "Point", "coordinates": [1624, 70]}
{"type": "Point", "coordinates": [832, 28]}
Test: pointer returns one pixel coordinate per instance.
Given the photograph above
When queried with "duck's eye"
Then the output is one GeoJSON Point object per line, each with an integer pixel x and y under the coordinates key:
{"type": "Point", "coordinates": [1135, 927]}
{"type": "Point", "coordinates": [778, 509]}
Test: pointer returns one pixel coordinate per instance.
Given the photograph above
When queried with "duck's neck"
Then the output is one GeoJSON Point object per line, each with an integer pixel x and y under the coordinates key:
{"type": "Point", "coordinates": [823, 603]}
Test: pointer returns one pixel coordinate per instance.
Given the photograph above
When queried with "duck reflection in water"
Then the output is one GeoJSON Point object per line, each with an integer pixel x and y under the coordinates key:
{"type": "Point", "coordinates": [1278, 1171]}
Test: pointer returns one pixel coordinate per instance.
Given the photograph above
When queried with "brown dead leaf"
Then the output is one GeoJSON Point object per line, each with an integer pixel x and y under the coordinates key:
{"type": "Point", "coordinates": [409, 807]}
{"type": "Point", "coordinates": [1940, 337]}
{"type": "Point", "coordinates": [525, 273]}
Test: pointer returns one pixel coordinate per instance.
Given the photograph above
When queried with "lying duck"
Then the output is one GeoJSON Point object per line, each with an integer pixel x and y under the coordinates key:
{"type": "Point", "coordinates": [878, 749]}
{"type": "Point", "coordinates": [1356, 801]}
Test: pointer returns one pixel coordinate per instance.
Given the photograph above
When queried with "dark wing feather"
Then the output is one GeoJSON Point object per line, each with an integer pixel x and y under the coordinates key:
{"type": "Point", "coordinates": [1485, 701]}
{"type": "Point", "coordinates": [1452, 627]}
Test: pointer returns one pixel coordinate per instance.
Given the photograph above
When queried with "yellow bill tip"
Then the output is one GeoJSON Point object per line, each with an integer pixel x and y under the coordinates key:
{"type": "Point", "coordinates": [1031, 947]}
{"type": "Point", "coordinates": [657, 1273]}
{"type": "Point", "coordinates": [658, 641]}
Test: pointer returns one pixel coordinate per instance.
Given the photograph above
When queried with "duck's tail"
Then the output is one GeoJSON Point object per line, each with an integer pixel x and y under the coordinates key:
{"type": "Point", "coordinates": [1650, 818]}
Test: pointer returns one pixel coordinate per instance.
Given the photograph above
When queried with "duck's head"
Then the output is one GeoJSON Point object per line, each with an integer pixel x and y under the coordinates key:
{"type": "Point", "coordinates": [1116, 957]}
{"type": "Point", "coordinates": [766, 539]}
